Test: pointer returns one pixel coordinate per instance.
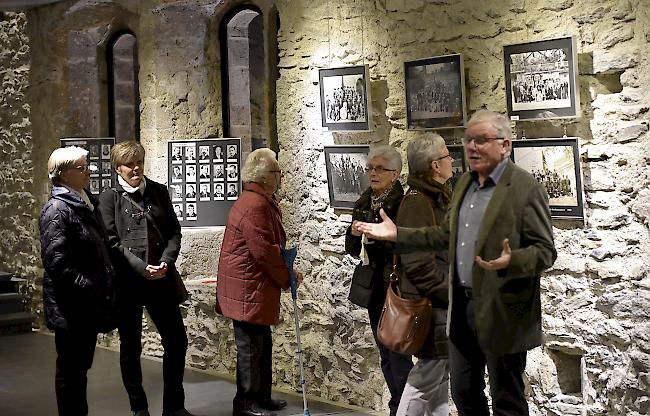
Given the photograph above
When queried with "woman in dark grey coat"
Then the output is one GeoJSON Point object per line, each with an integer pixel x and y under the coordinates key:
{"type": "Point", "coordinates": [77, 283]}
{"type": "Point", "coordinates": [145, 237]}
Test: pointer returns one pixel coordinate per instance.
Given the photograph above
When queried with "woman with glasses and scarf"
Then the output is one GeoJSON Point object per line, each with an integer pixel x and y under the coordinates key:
{"type": "Point", "coordinates": [145, 238]}
{"type": "Point", "coordinates": [385, 191]}
{"type": "Point", "coordinates": [78, 278]}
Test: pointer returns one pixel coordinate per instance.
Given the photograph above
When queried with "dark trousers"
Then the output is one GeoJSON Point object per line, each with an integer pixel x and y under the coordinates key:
{"type": "Point", "coordinates": [254, 364]}
{"type": "Point", "coordinates": [169, 323]}
{"type": "Point", "coordinates": [467, 363]}
{"type": "Point", "coordinates": [75, 350]}
{"type": "Point", "coordinates": [395, 366]}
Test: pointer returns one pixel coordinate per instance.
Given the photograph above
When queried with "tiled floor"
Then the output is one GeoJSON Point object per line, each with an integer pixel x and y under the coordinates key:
{"type": "Point", "coordinates": [27, 384]}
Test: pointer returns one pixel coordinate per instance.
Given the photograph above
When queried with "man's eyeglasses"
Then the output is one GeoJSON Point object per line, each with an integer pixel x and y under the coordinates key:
{"type": "Point", "coordinates": [378, 169]}
{"type": "Point", "coordinates": [445, 156]}
{"type": "Point", "coordinates": [480, 140]}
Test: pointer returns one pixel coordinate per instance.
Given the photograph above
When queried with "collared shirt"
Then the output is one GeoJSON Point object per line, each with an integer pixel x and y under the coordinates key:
{"type": "Point", "coordinates": [470, 216]}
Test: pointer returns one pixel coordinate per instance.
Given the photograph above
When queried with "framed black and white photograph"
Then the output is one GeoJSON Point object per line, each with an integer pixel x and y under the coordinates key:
{"type": "Point", "coordinates": [106, 151]}
{"type": "Point", "coordinates": [178, 210]}
{"type": "Point", "coordinates": [346, 176]}
{"type": "Point", "coordinates": [345, 97]}
{"type": "Point", "coordinates": [191, 212]}
{"type": "Point", "coordinates": [198, 180]}
{"type": "Point", "coordinates": [232, 191]}
{"type": "Point", "coordinates": [93, 151]}
{"type": "Point", "coordinates": [540, 79]}
{"type": "Point", "coordinates": [435, 92]}
{"type": "Point", "coordinates": [94, 186]}
{"type": "Point", "coordinates": [556, 164]}
{"type": "Point", "coordinates": [459, 165]}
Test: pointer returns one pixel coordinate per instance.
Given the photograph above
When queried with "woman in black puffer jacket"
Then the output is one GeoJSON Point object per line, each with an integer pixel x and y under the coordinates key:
{"type": "Point", "coordinates": [385, 191]}
{"type": "Point", "coordinates": [78, 278]}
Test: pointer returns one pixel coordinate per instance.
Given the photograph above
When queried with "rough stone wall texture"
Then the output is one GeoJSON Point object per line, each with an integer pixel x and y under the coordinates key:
{"type": "Point", "coordinates": [596, 297]}
{"type": "Point", "coordinates": [19, 249]}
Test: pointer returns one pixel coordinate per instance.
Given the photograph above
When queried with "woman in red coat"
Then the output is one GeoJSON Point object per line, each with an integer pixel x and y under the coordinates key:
{"type": "Point", "coordinates": [251, 275]}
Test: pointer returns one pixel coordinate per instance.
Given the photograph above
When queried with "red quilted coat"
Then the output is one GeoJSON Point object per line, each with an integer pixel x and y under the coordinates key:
{"type": "Point", "coordinates": [251, 270]}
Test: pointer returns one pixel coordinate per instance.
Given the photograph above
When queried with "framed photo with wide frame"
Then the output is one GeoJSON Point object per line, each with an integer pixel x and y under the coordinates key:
{"type": "Point", "coordinates": [435, 92]}
{"type": "Point", "coordinates": [459, 166]}
{"type": "Point", "coordinates": [345, 98]}
{"type": "Point", "coordinates": [346, 176]}
{"type": "Point", "coordinates": [540, 79]}
{"type": "Point", "coordinates": [556, 164]}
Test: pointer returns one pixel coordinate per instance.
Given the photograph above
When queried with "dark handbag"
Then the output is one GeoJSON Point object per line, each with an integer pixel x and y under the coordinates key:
{"type": "Point", "coordinates": [361, 285]}
{"type": "Point", "coordinates": [404, 323]}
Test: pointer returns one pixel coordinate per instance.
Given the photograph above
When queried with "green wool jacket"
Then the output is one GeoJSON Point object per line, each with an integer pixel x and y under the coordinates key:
{"type": "Point", "coordinates": [507, 302]}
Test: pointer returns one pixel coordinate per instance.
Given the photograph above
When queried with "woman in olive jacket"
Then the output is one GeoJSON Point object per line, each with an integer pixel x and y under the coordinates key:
{"type": "Point", "coordinates": [145, 238]}
{"type": "Point", "coordinates": [426, 274]}
{"type": "Point", "coordinates": [385, 191]}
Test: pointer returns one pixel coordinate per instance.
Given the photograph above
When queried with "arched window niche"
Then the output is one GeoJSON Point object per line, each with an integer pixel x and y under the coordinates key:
{"type": "Point", "coordinates": [123, 91]}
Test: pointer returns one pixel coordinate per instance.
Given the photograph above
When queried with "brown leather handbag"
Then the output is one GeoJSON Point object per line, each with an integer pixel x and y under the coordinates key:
{"type": "Point", "coordinates": [404, 323]}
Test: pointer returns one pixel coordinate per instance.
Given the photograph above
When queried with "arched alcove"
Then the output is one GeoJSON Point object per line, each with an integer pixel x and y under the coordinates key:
{"type": "Point", "coordinates": [123, 93]}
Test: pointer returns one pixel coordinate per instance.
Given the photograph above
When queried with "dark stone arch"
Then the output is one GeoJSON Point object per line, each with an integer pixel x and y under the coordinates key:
{"type": "Point", "coordinates": [123, 89]}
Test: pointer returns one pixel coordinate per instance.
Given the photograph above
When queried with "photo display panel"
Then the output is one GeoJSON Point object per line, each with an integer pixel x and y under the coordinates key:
{"type": "Point", "coordinates": [204, 180]}
{"type": "Point", "coordinates": [99, 155]}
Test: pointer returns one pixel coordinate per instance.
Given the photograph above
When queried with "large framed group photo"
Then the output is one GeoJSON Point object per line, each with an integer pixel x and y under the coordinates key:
{"type": "Point", "coordinates": [345, 98]}
{"type": "Point", "coordinates": [346, 175]}
{"type": "Point", "coordinates": [435, 92]}
{"type": "Point", "coordinates": [555, 163]}
{"type": "Point", "coordinates": [540, 79]}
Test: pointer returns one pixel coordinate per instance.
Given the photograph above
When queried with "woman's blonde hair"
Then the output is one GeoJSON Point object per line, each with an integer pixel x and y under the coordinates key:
{"type": "Point", "coordinates": [63, 158]}
{"type": "Point", "coordinates": [125, 152]}
{"type": "Point", "coordinates": [257, 166]}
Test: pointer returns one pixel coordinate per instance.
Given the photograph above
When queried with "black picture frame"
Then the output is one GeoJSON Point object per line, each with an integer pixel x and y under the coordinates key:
{"type": "Point", "coordinates": [435, 92]}
{"type": "Point", "coordinates": [540, 79]}
{"type": "Point", "coordinates": [556, 164]}
{"type": "Point", "coordinates": [459, 165]}
{"type": "Point", "coordinates": [346, 176]}
{"type": "Point", "coordinates": [345, 98]}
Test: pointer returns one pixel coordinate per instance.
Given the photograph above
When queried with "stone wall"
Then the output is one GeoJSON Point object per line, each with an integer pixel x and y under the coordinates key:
{"type": "Point", "coordinates": [596, 359]}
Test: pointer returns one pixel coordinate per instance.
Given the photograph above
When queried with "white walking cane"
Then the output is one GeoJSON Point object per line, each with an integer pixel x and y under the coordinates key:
{"type": "Point", "coordinates": [289, 256]}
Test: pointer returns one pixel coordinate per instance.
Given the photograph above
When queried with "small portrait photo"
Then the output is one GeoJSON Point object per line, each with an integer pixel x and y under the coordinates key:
{"type": "Point", "coordinates": [93, 151]}
{"type": "Point", "coordinates": [231, 172]}
{"type": "Point", "coordinates": [218, 172]}
{"type": "Point", "coordinates": [178, 210]}
{"type": "Point", "coordinates": [204, 192]}
{"type": "Point", "coordinates": [106, 184]}
{"type": "Point", "coordinates": [190, 154]}
{"type": "Point", "coordinates": [204, 173]}
{"type": "Point", "coordinates": [190, 193]}
{"type": "Point", "coordinates": [232, 152]}
{"type": "Point", "coordinates": [232, 191]}
{"type": "Point", "coordinates": [217, 153]}
{"type": "Point", "coordinates": [204, 153]}
{"type": "Point", "coordinates": [94, 169]}
{"type": "Point", "coordinates": [190, 173]}
{"type": "Point", "coordinates": [106, 168]}
{"type": "Point", "coordinates": [106, 151]}
{"type": "Point", "coordinates": [218, 192]}
{"type": "Point", "coordinates": [94, 186]}
{"type": "Point", "coordinates": [176, 192]}
{"type": "Point", "coordinates": [190, 212]}
{"type": "Point", "coordinates": [177, 173]}
{"type": "Point", "coordinates": [177, 153]}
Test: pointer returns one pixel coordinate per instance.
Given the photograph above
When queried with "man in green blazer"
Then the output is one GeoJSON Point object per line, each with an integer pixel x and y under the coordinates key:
{"type": "Point", "coordinates": [500, 212]}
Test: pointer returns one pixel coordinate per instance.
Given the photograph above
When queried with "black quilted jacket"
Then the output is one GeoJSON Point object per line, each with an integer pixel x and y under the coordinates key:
{"type": "Point", "coordinates": [78, 278]}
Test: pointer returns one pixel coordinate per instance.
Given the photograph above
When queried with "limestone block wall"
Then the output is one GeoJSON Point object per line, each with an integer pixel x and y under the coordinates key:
{"type": "Point", "coordinates": [596, 359]}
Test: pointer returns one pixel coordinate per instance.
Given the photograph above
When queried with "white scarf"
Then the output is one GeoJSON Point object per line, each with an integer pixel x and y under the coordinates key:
{"type": "Point", "coordinates": [128, 188]}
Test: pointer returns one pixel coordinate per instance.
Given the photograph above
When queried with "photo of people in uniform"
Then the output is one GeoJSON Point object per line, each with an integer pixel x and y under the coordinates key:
{"type": "Point", "coordinates": [348, 176]}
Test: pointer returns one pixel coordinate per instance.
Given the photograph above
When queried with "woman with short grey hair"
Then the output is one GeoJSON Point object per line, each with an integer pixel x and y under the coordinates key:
{"type": "Point", "coordinates": [385, 192]}
{"type": "Point", "coordinates": [426, 275]}
{"type": "Point", "coordinates": [78, 277]}
{"type": "Point", "coordinates": [258, 166]}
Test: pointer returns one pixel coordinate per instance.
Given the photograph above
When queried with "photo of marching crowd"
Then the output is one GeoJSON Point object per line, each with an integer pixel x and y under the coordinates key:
{"type": "Point", "coordinates": [347, 174]}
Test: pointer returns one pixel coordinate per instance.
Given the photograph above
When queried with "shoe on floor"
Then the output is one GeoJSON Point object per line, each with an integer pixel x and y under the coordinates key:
{"type": "Point", "coordinates": [273, 404]}
{"type": "Point", "coordinates": [254, 410]}
{"type": "Point", "coordinates": [179, 412]}
{"type": "Point", "coordinates": [141, 412]}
